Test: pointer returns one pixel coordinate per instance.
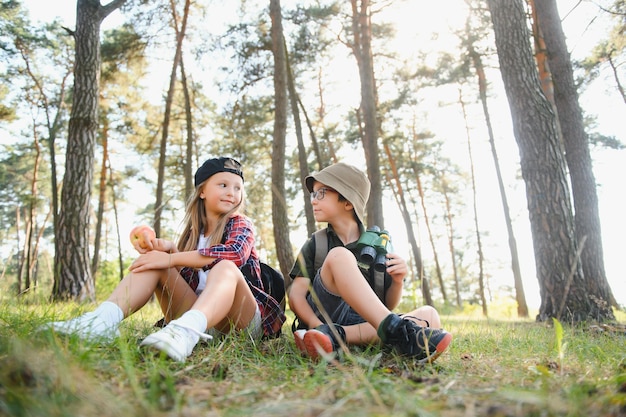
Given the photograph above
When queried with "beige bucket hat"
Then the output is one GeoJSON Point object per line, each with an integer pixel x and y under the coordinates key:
{"type": "Point", "coordinates": [347, 180]}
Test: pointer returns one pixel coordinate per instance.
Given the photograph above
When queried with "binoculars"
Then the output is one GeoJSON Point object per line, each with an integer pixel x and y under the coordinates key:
{"type": "Point", "coordinates": [374, 245]}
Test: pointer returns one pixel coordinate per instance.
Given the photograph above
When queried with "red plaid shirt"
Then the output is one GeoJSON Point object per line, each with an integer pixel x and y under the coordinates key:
{"type": "Point", "coordinates": [238, 246]}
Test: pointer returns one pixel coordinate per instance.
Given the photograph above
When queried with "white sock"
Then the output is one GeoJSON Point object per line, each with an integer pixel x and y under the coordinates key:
{"type": "Point", "coordinates": [194, 320]}
{"type": "Point", "coordinates": [110, 313]}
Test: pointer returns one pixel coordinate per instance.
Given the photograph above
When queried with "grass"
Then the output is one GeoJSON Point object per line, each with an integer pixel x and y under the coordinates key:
{"type": "Point", "coordinates": [494, 367]}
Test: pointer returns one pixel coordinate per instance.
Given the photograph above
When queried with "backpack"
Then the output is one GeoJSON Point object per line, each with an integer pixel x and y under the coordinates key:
{"type": "Point", "coordinates": [274, 283]}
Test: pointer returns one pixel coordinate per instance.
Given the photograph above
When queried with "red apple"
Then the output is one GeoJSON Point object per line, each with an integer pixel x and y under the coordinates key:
{"type": "Point", "coordinates": [142, 234]}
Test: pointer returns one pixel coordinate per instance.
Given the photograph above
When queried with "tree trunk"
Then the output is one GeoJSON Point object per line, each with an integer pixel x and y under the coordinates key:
{"type": "Point", "coordinates": [329, 154]}
{"type": "Point", "coordinates": [559, 272]}
{"type": "Point", "coordinates": [117, 223]}
{"type": "Point", "coordinates": [102, 195]}
{"type": "Point", "coordinates": [425, 285]}
{"type": "Point", "coordinates": [431, 238]}
{"type": "Point", "coordinates": [30, 255]}
{"type": "Point", "coordinates": [479, 245]}
{"type": "Point", "coordinates": [302, 154]}
{"type": "Point", "coordinates": [406, 217]}
{"type": "Point", "coordinates": [72, 271]}
{"type": "Point", "coordinates": [362, 49]}
{"type": "Point", "coordinates": [20, 253]}
{"type": "Point", "coordinates": [53, 125]}
{"type": "Point", "coordinates": [280, 217]}
{"type": "Point", "coordinates": [587, 218]}
{"type": "Point", "coordinates": [520, 297]}
{"type": "Point", "coordinates": [450, 229]}
{"type": "Point", "coordinates": [189, 126]}
{"type": "Point", "coordinates": [180, 35]}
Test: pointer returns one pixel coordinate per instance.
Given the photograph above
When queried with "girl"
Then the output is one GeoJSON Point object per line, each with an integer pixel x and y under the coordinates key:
{"type": "Point", "coordinates": [198, 283]}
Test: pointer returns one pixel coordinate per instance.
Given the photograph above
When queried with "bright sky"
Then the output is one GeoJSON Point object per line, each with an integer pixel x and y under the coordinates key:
{"type": "Point", "coordinates": [582, 32]}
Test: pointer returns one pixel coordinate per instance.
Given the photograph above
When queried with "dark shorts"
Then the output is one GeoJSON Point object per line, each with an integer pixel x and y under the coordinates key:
{"type": "Point", "coordinates": [338, 310]}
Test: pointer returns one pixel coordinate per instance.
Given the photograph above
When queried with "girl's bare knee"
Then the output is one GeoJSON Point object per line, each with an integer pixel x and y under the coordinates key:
{"type": "Point", "coordinates": [224, 265]}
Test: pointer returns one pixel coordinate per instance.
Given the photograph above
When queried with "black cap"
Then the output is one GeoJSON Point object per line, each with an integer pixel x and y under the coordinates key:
{"type": "Point", "coordinates": [212, 166]}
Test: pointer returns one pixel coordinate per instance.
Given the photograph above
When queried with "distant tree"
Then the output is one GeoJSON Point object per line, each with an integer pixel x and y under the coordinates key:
{"type": "Point", "coordinates": [72, 268]}
{"type": "Point", "coordinates": [395, 181]}
{"type": "Point", "coordinates": [40, 93]}
{"type": "Point", "coordinates": [474, 32]}
{"type": "Point", "coordinates": [307, 46]}
{"type": "Point", "coordinates": [180, 27]}
{"type": "Point", "coordinates": [123, 60]}
{"type": "Point", "coordinates": [479, 245]}
{"type": "Point", "coordinates": [609, 54]}
{"type": "Point", "coordinates": [294, 101]}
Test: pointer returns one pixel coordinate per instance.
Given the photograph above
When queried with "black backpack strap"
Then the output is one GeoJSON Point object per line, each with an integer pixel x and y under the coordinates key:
{"type": "Point", "coordinates": [321, 247]}
{"type": "Point", "coordinates": [379, 285]}
{"type": "Point", "coordinates": [320, 238]}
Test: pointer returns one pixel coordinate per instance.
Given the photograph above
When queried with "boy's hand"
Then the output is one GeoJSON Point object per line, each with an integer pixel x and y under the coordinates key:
{"type": "Point", "coordinates": [396, 267]}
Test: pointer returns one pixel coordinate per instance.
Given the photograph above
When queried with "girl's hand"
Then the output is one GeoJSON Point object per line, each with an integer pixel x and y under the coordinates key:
{"type": "Point", "coordinates": [163, 245]}
{"type": "Point", "coordinates": [396, 267]}
{"type": "Point", "coordinates": [142, 238]}
{"type": "Point", "coordinates": [151, 260]}
{"type": "Point", "coordinates": [153, 243]}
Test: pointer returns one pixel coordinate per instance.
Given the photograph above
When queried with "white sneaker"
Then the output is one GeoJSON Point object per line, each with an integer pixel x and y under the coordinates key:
{"type": "Point", "coordinates": [88, 327]}
{"type": "Point", "coordinates": [174, 340]}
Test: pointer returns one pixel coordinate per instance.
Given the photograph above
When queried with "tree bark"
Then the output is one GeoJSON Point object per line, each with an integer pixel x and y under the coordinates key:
{"type": "Point", "coordinates": [72, 271]}
{"type": "Point", "coordinates": [280, 217]}
{"type": "Point", "coordinates": [586, 218]}
{"type": "Point", "coordinates": [559, 271]}
{"type": "Point", "coordinates": [362, 49]}
{"type": "Point", "coordinates": [189, 145]}
{"type": "Point", "coordinates": [102, 195]}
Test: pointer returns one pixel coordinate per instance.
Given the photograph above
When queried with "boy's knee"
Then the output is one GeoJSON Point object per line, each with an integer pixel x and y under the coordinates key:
{"type": "Point", "coordinates": [339, 254]}
{"type": "Point", "coordinates": [431, 314]}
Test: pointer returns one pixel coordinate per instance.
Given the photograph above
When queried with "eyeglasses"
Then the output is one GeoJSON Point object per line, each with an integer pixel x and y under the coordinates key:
{"type": "Point", "coordinates": [320, 193]}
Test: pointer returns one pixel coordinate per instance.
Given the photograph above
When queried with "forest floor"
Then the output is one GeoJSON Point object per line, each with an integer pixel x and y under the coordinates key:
{"type": "Point", "coordinates": [494, 367]}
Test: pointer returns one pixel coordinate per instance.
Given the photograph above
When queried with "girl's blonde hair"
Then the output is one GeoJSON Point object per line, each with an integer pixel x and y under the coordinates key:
{"type": "Point", "coordinates": [196, 222]}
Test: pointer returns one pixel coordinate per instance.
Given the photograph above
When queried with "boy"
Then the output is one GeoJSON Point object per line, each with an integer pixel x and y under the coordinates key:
{"type": "Point", "coordinates": [341, 287]}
